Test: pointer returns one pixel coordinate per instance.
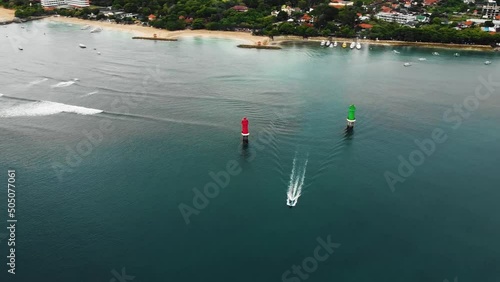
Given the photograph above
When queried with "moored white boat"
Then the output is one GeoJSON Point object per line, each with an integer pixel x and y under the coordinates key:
{"type": "Point", "coordinates": [487, 63]}
{"type": "Point", "coordinates": [395, 51]}
{"type": "Point", "coordinates": [335, 44]}
{"type": "Point", "coordinates": [435, 53]}
{"type": "Point", "coordinates": [353, 44]}
{"type": "Point", "coordinates": [97, 29]}
{"type": "Point", "coordinates": [327, 44]}
{"type": "Point", "coordinates": [82, 46]}
{"type": "Point", "coordinates": [407, 64]}
{"type": "Point", "coordinates": [358, 45]}
{"type": "Point", "coordinates": [322, 42]}
{"type": "Point", "coordinates": [422, 59]}
{"type": "Point", "coordinates": [457, 55]}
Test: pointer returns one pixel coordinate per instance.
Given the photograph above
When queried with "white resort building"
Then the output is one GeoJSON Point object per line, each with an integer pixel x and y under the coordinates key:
{"type": "Point", "coordinates": [491, 10]}
{"type": "Point", "coordinates": [58, 3]}
{"type": "Point", "coordinates": [395, 17]}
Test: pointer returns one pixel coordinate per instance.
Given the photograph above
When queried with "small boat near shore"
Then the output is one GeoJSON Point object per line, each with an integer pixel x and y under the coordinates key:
{"type": "Point", "coordinates": [323, 42]}
{"type": "Point", "coordinates": [487, 63]}
{"type": "Point", "coordinates": [435, 53]}
{"type": "Point", "coordinates": [95, 30]}
{"type": "Point", "coordinates": [85, 27]}
{"type": "Point", "coordinates": [82, 46]}
{"type": "Point", "coordinates": [395, 51]}
{"type": "Point", "coordinates": [422, 59]}
{"type": "Point", "coordinates": [335, 44]}
{"type": "Point", "coordinates": [407, 64]}
{"type": "Point", "coordinates": [353, 44]}
{"type": "Point", "coordinates": [456, 55]}
{"type": "Point", "coordinates": [358, 46]}
{"type": "Point", "coordinates": [327, 43]}
{"type": "Point", "coordinates": [344, 45]}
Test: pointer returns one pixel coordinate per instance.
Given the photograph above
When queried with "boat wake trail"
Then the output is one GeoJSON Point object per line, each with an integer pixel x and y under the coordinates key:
{"type": "Point", "coordinates": [296, 183]}
{"type": "Point", "coordinates": [90, 93]}
{"type": "Point", "coordinates": [35, 82]}
{"type": "Point", "coordinates": [44, 108]}
{"type": "Point", "coordinates": [64, 83]}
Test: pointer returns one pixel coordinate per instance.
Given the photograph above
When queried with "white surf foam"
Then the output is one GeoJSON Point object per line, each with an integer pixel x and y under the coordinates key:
{"type": "Point", "coordinates": [91, 93]}
{"type": "Point", "coordinates": [296, 183]}
{"type": "Point", "coordinates": [34, 82]}
{"type": "Point", "coordinates": [65, 83]}
{"type": "Point", "coordinates": [45, 108]}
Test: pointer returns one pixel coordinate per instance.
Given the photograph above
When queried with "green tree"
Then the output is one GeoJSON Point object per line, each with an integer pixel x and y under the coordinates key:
{"type": "Point", "coordinates": [282, 16]}
{"type": "Point", "coordinates": [198, 24]}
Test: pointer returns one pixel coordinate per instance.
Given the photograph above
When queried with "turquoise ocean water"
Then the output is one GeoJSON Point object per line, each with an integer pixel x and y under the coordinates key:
{"type": "Point", "coordinates": [107, 148]}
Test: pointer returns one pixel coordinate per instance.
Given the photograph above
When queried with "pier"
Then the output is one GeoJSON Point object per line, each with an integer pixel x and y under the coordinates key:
{"type": "Point", "coordinates": [154, 38]}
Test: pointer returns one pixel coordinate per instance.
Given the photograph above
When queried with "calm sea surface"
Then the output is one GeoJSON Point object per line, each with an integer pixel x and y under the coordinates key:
{"type": "Point", "coordinates": [108, 148]}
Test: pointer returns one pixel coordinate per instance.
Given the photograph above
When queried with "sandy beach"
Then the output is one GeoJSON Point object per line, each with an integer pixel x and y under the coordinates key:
{"type": "Point", "coordinates": [6, 15]}
{"type": "Point", "coordinates": [150, 31]}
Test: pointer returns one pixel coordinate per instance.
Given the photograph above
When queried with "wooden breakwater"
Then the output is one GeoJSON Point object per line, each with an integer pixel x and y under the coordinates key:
{"type": "Point", "coordinates": [154, 38]}
{"type": "Point", "coordinates": [267, 47]}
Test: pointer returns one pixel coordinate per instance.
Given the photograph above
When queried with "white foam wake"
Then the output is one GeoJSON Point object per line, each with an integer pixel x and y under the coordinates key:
{"type": "Point", "coordinates": [65, 83]}
{"type": "Point", "coordinates": [34, 82]}
{"type": "Point", "coordinates": [296, 183]}
{"type": "Point", "coordinates": [90, 93]}
{"type": "Point", "coordinates": [45, 108]}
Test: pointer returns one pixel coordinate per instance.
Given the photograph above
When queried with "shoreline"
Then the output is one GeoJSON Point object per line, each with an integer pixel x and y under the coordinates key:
{"type": "Point", "coordinates": [7, 16]}
{"type": "Point", "coordinates": [146, 31]}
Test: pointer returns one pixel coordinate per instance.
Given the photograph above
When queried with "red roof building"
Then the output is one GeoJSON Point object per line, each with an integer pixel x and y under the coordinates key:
{"type": "Point", "coordinates": [151, 17]}
{"type": "Point", "coordinates": [386, 9]}
{"type": "Point", "coordinates": [240, 8]}
{"type": "Point", "coordinates": [306, 18]}
{"type": "Point", "coordinates": [430, 2]}
{"type": "Point", "coordinates": [365, 26]}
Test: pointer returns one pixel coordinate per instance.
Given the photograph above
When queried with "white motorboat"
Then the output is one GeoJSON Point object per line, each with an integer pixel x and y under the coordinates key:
{"type": "Point", "coordinates": [457, 55]}
{"type": "Point", "coordinates": [327, 43]}
{"type": "Point", "coordinates": [97, 29]}
{"type": "Point", "coordinates": [395, 51]}
{"type": "Point", "coordinates": [335, 44]}
{"type": "Point", "coordinates": [487, 63]}
{"type": "Point", "coordinates": [407, 64]}
{"type": "Point", "coordinates": [353, 44]}
{"type": "Point", "coordinates": [82, 46]}
{"type": "Point", "coordinates": [358, 46]}
{"type": "Point", "coordinates": [422, 59]}
{"type": "Point", "coordinates": [435, 53]}
{"type": "Point", "coordinates": [322, 42]}
{"type": "Point", "coordinates": [20, 48]}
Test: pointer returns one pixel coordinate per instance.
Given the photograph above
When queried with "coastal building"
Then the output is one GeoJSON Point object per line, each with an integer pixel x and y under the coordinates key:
{"type": "Point", "coordinates": [396, 17]}
{"type": "Point", "coordinates": [151, 17]}
{"type": "Point", "coordinates": [491, 10]}
{"type": "Point", "coordinates": [340, 4]}
{"type": "Point", "coordinates": [240, 8]}
{"type": "Point", "coordinates": [47, 4]}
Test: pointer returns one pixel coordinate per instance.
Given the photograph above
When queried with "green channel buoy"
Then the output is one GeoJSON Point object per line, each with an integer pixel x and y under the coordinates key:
{"type": "Point", "coordinates": [351, 116]}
